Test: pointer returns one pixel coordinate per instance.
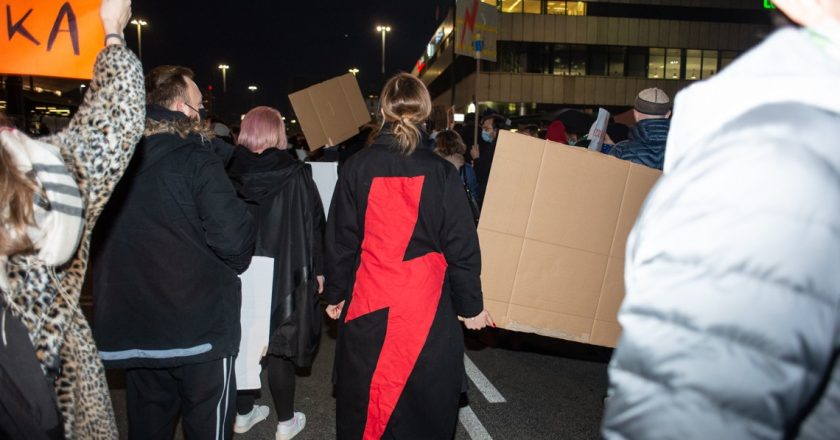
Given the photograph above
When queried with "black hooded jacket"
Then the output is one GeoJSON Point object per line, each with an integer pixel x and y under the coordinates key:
{"type": "Point", "coordinates": [166, 254]}
{"type": "Point", "coordinates": [290, 221]}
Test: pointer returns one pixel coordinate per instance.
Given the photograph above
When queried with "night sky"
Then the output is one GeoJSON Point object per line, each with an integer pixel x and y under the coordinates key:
{"type": "Point", "coordinates": [283, 45]}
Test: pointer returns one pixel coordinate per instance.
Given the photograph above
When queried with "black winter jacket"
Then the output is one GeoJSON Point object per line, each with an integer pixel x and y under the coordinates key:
{"type": "Point", "coordinates": [167, 252]}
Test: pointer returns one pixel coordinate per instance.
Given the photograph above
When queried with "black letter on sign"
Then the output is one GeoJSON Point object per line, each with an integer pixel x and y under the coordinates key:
{"type": "Point", "coordinates": [67, 10]}
{"type": "Point", "coordinates": [18, 27]}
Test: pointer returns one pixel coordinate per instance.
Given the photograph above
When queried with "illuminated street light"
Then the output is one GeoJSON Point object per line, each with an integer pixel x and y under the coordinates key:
{"type": "Point", "coordinates": [139, 23]}
{"type": "Point", "coordinates": [383, 30]}
{"type": "Point", "coordinates": [252, 88]}
{"type": "Point", "coordinates": [224, 68]}
{"type": "Point", "coordinates": [354, 71]}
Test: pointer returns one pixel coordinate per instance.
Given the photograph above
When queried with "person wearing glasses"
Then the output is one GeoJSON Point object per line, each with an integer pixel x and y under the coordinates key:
{"type": "Point", "coordinates": [167, 255]}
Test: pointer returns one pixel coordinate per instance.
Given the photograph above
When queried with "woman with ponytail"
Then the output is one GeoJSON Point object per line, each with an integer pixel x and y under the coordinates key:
{"type": "Point", "coordinates": [403, 265]}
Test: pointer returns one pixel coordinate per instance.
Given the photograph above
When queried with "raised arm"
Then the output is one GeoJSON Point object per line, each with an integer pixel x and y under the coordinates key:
{"type": "Point", "coordinates": [99, 142]}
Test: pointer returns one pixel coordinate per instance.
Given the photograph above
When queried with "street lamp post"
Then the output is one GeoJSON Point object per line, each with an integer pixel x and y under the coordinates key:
{"type": "Point", "coordinates": [224, 68]}
{"type": "Point", "coordinates": [354, 71]}
{"type": "Point", "coordinates": [139, 23]}
{"type": "Point", "coordinates": [383, 30]}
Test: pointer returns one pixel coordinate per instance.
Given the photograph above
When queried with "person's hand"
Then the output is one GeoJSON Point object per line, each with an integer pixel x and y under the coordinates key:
{"type": "Point", "coordinates": [608, 140]}
{"type": "Point", "coordinates": [334, 311]}
{"type": "Point", "coordinates": [115, 15]}
{"type": "Point", "coordinates": [320, 279]}
{"type": "Point", "coordinates": [479, 321]}
{"type": "Point", "coordinates": [474, 152]}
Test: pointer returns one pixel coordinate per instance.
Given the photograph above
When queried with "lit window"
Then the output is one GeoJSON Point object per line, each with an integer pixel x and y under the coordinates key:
{"type": "Point", "coordinates": [575, 8]}
{"type": "Point", "coordinates": [533, 6]}
{"type": "Point", "coordinates": [672, 64]}
{"type": "Point", "coordinates": [489, 2]}
{"type": "Point", "coordinates": [512, 6]}
{"type": "Point", "coordinates": [693, 64]}
{"type": "Point", "coordinates": [710, 63]}
{"type": "Point", "coordinates": [656, 63]}
{"type": "Point", "coordinates": [556, 8]}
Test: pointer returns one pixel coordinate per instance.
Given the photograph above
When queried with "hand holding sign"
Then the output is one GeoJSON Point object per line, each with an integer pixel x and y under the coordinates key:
{"type": "Point", "coordinates": [115, 15]}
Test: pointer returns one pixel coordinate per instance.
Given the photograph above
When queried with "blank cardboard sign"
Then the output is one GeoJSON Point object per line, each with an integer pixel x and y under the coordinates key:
{"type": "Point", "coordinates": [330, 112]}
{"type": "Point", "coordinates": [553, 230]}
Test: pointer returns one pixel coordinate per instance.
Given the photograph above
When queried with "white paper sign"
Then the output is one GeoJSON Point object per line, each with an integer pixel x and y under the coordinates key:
{"type": "Point", "coordinates": [325, 175]}
{"type": "Point", "coordinates": [257, 284]}
{"type": "Point", "coordinates": [598, 132]}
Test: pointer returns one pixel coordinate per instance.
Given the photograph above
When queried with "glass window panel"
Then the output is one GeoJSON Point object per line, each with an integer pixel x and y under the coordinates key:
{"type": "Point", "coordinates": [561, 59]}
{"type": "Point", "coordinates": [533, 6]}
{"type": "Point", "coordinates": [597, 60]}
{"type": "Point", "coordinates": [575, 8]}
{"type": "Point", "coordinates": [489, 2]}
{"type": "Point", "coordinates": [672, 64]}
{"type": "Point", "coordinates": [710, 63]}
{"type": "Point", "coordinates": [616, 63]}
{"type": "Point", "coordinates": [693, 64]}
{"type": "Point", "coordinates": [512, 6]}
{"type": "Point", "coordinates": [637, 62]}
{"type": "Point", "coordinates": [727, 57]}
{"type": "Point", "coordinates": [539, 58]}
{"type": "Point", "coordinates": [556, 8]}
{"type": "Point", "coordinates": [577, 60]}
{"type": "Point", "coordinates": [656, 63]}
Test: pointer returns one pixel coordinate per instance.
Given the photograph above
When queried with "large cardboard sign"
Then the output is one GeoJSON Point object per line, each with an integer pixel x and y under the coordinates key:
{"type": "Point", "coordinates": [330, 112]}
{"type": "Point", "coordinates": [50, 37]}
{"type": "Point", "coordinates": [553, 230]}
{"type": "Point", "coordinates": [474, 18]}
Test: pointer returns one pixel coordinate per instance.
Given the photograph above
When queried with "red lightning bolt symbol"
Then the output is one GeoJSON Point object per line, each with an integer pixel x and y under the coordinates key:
{"type": "Point", "coordinates": [410, 290]}
{"type": "Point", "coordinates": [469, 20]}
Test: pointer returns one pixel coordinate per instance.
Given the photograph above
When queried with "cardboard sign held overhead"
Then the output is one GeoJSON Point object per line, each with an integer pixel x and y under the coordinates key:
{"type": "Point", "coordinates": [51, 38]}
{"type": "Point", "coordinates": [330, 112]}
{"type": "Point", "coordinates": [553, 230]}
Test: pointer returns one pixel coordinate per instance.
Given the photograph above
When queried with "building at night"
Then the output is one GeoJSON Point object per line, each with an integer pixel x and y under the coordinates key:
{"type": "Point", "coordinates": [586, 54]}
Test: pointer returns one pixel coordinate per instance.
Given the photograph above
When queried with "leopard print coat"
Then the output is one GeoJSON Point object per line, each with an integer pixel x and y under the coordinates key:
{"type": "Point", "coordinates": [96, 146]}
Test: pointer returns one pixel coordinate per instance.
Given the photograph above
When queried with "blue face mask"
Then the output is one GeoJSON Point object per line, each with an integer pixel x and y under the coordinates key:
{"type": "Point", "coordinates": [487, 137]}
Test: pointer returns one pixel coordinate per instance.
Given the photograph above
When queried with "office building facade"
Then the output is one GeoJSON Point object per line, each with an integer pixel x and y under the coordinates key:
{"type": "Point", "coordinates": [586, 54]}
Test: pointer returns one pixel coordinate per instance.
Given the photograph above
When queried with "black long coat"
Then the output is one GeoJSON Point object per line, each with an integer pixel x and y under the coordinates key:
{"type": "Point", "coordinates": [290, 221]}
{"type": "Point", "coordinates": [402, 252]}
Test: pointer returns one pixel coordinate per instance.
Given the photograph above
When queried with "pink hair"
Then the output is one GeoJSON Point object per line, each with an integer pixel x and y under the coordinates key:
{"type": "Point", "coordinates": [263, 128]}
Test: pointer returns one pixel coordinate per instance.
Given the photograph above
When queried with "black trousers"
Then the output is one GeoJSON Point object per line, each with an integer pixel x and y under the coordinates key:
{"type": "Point", "coordinates": [281, 382]}
{"type": "Point", "coordinates": [203, 394]}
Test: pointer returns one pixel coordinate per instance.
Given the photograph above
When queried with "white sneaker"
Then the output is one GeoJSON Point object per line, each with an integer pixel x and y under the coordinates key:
{"type": "Point", "coordinates": [288, 431]}
{"type": "Point", "coordinates": [245, 422]}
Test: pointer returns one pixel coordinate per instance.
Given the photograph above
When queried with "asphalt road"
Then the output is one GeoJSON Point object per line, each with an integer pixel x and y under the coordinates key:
{"type": "Point", "coordinates": [522, 387]}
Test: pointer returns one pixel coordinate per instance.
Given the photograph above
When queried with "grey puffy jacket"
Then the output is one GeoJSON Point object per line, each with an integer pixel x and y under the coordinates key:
{"type": "Point", "coordinates": [732, 315]}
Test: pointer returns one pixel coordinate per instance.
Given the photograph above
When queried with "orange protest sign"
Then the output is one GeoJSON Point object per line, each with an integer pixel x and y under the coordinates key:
{"type": "Point", "coordinates": [51, 37]}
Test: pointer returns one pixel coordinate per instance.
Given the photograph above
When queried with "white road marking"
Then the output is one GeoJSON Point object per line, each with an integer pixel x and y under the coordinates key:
{"type": "Point", "coordinates": [472, 425]}
{"type": "Point", "coordinates": [482, 383]}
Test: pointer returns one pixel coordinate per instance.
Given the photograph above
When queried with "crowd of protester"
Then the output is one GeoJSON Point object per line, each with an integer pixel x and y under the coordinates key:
{"type": "Point", "coordinates": [730, 321]}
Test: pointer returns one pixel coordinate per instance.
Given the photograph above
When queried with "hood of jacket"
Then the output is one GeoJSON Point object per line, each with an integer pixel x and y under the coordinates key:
{"type": "Point", "coordinates": [747, 84]}
{"type": "Point", "coordinates": [259, 176]}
